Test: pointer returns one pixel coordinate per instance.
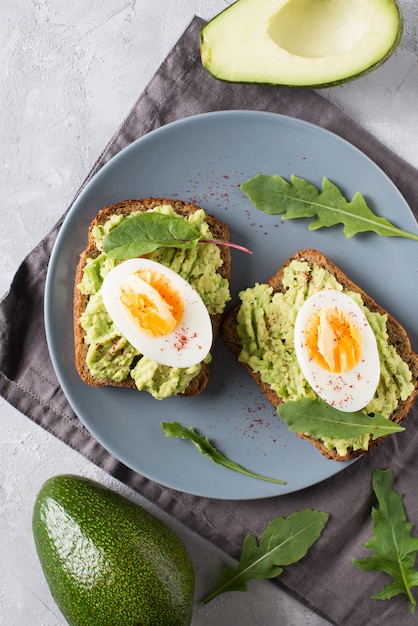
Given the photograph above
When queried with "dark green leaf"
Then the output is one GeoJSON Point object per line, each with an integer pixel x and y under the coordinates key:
{"type": "Point", "coordinates": [203, 444]}
{"type": "Point", "coordinates": [394, 550]}
{"type": "Point", "coordinates": [284, 541]}
{"type": "Point", "coordinates": [298, 198]}
{"type": "Point", "coordinates": [142, 233]}
{"type": "Point", "coordinates": [318, 419]}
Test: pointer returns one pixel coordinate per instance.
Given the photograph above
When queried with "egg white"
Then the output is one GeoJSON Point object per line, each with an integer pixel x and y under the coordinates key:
{"type": "Point", "coordinates": [346, 391]}
{"type": "Point", "coordinates": [186, 345]}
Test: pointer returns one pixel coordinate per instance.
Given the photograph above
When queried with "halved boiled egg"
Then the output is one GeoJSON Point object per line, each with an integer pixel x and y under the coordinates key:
{"type": "Point", "coordinates": [336, 350]}
{"type": "Point", "coordinates": [158, 312]}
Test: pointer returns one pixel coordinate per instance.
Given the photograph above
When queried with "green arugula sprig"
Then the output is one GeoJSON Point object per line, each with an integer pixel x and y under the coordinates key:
{"type": "Point", "coordinates": [143, 233]}
{"type": "Point", "coordinates": [318, 419]}
{"type": "Point", "coordinates": [284, 541]}
{"type": "Point", "coordinates": [394, 549]}
{"type": "Point", "coordinates": [203, 444]}
{"type": "Point", "coordinates": [298, 199]}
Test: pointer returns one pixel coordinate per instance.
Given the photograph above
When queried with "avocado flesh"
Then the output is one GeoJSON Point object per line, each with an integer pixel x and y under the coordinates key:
{"type": "Point", "coordinates": [305, 43]}
{"type": "Point", "coordinates": [107, 560]}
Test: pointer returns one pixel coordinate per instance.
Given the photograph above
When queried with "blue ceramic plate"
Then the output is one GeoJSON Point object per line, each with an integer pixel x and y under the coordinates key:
{"type": "Point", "coordinates": [204, 159]}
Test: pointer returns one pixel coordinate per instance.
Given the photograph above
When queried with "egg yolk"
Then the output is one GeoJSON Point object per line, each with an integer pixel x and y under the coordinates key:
{"type": "Point", "coordinates": [153, 301]}
{"type": "Point", "coordinates": [333, 340]}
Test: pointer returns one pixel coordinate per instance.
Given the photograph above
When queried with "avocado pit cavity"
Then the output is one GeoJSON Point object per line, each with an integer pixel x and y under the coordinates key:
{"type": "Point", "coordinates": [317, 28]}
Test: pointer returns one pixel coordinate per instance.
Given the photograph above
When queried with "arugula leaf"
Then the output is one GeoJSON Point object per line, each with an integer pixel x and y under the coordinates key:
{"type": "Point", "coordinates": [319, 419]}
{"type": "Point", "coordinates": [298, 198]}
{"type": "Point", "coordinates": [143, 233]}
{"type": "Point", "coordinates": [284, 541]}
{"type": "Point", "coordinates": [203, 444]}
{"type": "Point", "coordinates": [394, 549]}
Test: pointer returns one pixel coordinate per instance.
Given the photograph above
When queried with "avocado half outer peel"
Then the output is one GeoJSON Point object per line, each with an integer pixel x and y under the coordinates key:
{"type": "Point", "coordinates": [300, 43]}
{"type": "Point", "coordinates": [107, 560]}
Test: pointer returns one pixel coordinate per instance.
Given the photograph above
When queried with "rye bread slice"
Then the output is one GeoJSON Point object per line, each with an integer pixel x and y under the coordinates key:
{"type": "Point", "coordinates": [219, 231]}
{"type": "Point", "coordinates": [396, 333]}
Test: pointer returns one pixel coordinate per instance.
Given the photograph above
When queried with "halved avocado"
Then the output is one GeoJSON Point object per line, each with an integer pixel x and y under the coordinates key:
{"type": "Point", "coordinates": [300, 43]}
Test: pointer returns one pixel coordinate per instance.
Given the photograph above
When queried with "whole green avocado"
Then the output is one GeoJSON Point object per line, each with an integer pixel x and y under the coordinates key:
{"type": "Point", "coordinates": [107, 561]}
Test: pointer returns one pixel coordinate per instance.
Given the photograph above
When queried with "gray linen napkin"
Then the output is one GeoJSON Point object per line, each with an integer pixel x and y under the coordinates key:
{"type": "Point", "coordinates": [325, 579]}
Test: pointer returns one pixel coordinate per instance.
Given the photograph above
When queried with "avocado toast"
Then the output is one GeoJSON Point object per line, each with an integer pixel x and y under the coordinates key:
{"type": "Point", "coordinates": [103, 357]}
{"type": "Point", "coordinates": [267, 350]}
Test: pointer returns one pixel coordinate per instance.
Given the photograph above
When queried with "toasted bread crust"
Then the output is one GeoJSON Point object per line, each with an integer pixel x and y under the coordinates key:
{"type": "Point", "coordinates": [396, 333]}
{"type": "Point", "coordinates": [219, 231]}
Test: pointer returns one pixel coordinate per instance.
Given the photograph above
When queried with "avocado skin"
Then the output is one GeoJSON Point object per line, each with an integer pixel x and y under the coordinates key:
{"type": "Point", "coordinates": [108, 561]}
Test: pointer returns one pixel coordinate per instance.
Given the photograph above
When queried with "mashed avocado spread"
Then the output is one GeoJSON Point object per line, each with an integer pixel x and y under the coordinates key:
{"type": "Point", "coordinates": [266, 325]}
{"type": "Point", "coordinates": [109, 354]}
